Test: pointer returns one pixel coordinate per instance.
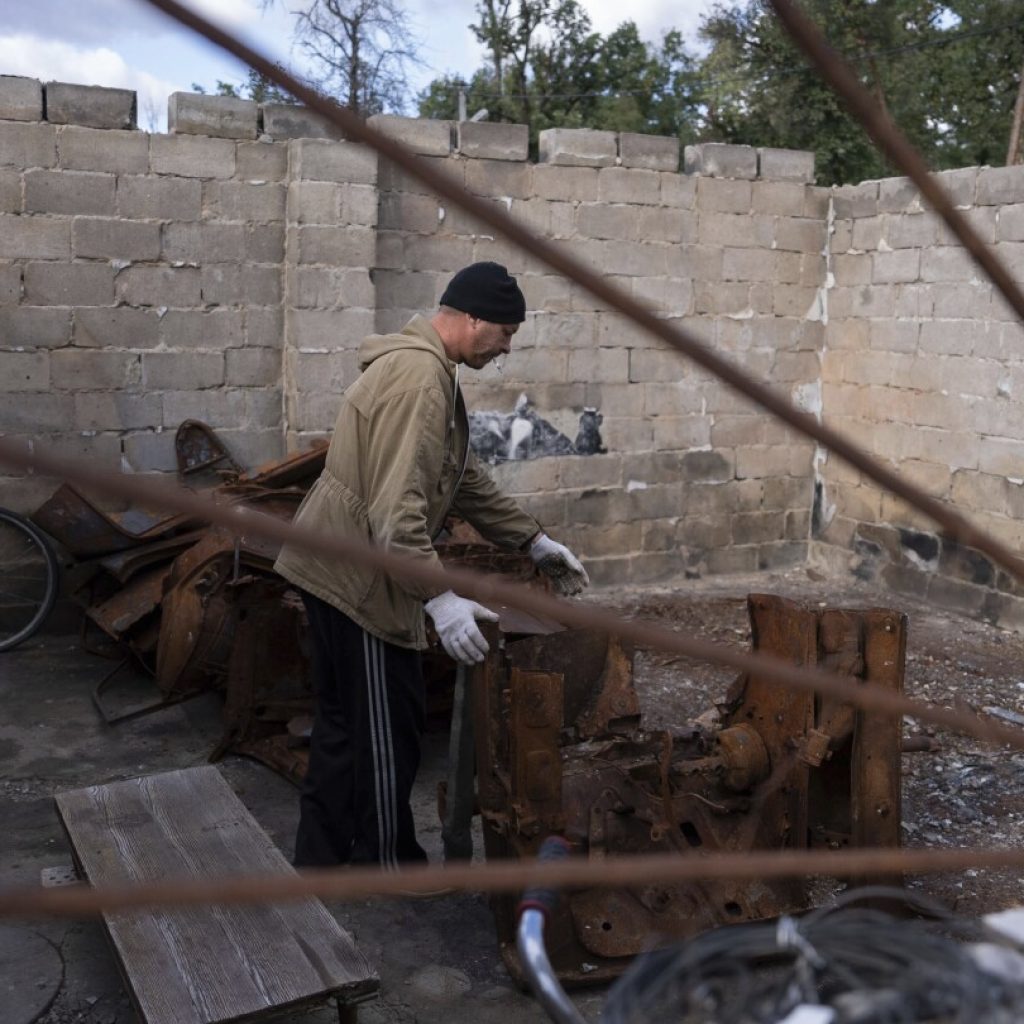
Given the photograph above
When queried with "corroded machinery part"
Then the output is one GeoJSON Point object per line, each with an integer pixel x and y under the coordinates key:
{"type": "Point", "coordinates": [744, 758]}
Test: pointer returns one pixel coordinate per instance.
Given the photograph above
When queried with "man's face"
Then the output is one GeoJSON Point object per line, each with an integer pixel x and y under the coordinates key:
{"type": "Point", "coordinates": [487, 341]}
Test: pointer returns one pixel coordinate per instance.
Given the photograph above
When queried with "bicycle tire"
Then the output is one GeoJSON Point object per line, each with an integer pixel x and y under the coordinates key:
{"type": "Point", "coordinates": [30, 596]}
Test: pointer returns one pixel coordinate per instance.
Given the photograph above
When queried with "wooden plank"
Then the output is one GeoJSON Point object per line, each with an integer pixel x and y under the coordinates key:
{"type": "Point", "coordinates": [206, 965]}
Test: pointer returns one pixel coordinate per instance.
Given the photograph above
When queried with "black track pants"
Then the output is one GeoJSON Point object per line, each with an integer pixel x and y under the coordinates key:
{"type": "Point", "coordinates": [365, 746]}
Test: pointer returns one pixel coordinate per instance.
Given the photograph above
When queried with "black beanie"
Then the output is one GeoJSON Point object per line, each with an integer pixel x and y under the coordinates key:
{"type": "Point", "coordinates": [488, 292]}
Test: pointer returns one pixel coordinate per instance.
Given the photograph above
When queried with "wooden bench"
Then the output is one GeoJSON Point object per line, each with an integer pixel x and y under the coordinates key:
{"type": "Point", "coordinates": [200, 965]}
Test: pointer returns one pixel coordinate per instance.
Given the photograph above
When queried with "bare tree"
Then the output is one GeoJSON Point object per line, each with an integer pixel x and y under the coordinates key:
{"type": "Point", "coordinates": [361, 51]}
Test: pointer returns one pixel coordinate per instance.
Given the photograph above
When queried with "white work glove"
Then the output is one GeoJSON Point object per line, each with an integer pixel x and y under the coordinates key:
{"type": "Point", "coordinates": [559, 564]}
{"type": "Point", "coordinates": [455, 621]}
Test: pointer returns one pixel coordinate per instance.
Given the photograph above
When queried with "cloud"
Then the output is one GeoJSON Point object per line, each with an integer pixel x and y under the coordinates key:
{"type": "Point", "coordinates": [56, 60]}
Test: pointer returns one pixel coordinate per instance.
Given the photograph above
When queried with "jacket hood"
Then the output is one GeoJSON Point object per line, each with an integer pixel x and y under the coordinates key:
{"type": "Point", "coordinates": [417, 334]}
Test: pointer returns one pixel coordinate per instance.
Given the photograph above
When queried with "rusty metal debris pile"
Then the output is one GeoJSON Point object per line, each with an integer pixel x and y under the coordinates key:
{"type": "Point", "coordinates": [199, 607]}
{"type": "Point", "coordinates": [560, 750]}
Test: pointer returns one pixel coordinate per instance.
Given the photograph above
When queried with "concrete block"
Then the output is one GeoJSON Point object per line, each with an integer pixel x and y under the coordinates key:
{"type": "Point", "coordinates": [97, 149]}
{"type": "Point", "coordinates": [421, 135]}
{"type": "Point", "coordinates": [10, 190]}
{"type": "Point", "coordinates": [34, 327]}
{"type": "Point", "coordinates": [946, 264]}
{"type": "Point", "coordinates": [167, 371]}
{"type": "Point", "coordinates": [203, 242]}
{"type": "Point", "coordinates": [227, 284]}
{"type": "Point", "coordinates": [652, 152]}
{"type": "Point", "coordinates": [392, 178]}
{"type": "Point", "coordinates": [908, 231]}
{"type": "Point", "coordinates": [261, 161]}
{"type": "Point", "coordinates": [116, 410]}
{"type": "Point", "coordinates": [225, 117]}
{"type": "Point", "coordinates": [74, 284]}
{"type": "Point", "coordinates": [405, 212]}
{"type": "Point", "coordinates": [757, 230]}
{"type": "Point", "coordinates": [659, 224]}
{"type": "Point", "coordinates": [10, 284]}
{"type": "Point", "coordinates": [233, 200]}
{"type": "Point", "coordinates": [901, 265]}
{"type": "Point", "coordinates": [44, 413]}
{"type": "Point", "coordinates": [91, 105]}
{"type": "Point", "coordinates": [577, 147]}
{"type": "Point", "coordinates": [314, 160]}
{"type": "Point", "coordinates": [961, 185]}
{"type": "Point", "coordinates": [899, 195]}
{"type": "Point", "coordinates": [499, 178]}
{"type": "Point", "coordinates": [629, 185]}
{"type": "Point", "coordinates": [339, 246]}
{"type": "Point", "coordinates": [156, 198]}
{"type": "Point", "coordinates": [718, 195]}
{"type": "Point", "coordinates": [26, 371]}
{"type": "Point", "coordinates": [27, 145]}
{"type": "Point", "coordinates": [220, 407]}
{"type": "Point", "coordinates": [599, 220]}
{"type": "Point", "coordinates": [894, 335]}
{"type": "Point", "coordinates": [678, 190]}
{"type": "Point", "coordinates": [568, 184]}
{"type": "Point", "coordinates": [798, 234]}
{"type": "Point", "coordinates": [264, 407]}
{"type": "Point", "coordinates": [632, 259]}
{"type": "Point", "coordinates": [119, 327]}
{"type": "Point", "coordinates": [785, 164]}
{"type": "Point", "coordinates": [115, 239]}
{"type": "Point", "coordinates": [292, 121]}
{"type": "Point", "coordinates": [264, 328]}
{"type": "Point", "coordinates": [448, 253]}
{"type": "Point", "coordinates": [93, 370]}
{"type": "Point", "coordinates": [999, 186]}
{"type": "Point", "coordinates": [481, 140]}
{"type": "Point", "coordinates": [782, 198]}
{"type": "Point", "coordinates": [150, 452]}
{"type": "Point", "coordinates": [720, 160]}
{"type": "Point", "coordinates": [159, 286]}
{"type": "Point", "coordinates": [264, 243]}
{"type": "Point", "coordinates": [326, 288]}
{"type": "Point", "coordinates": [192, 156]}
{"type": "Point", "coordinates": [21, 99]}
{"type": "Point", "coordinates": [329, 372]}
{"type": "Point", "coordinates": [196, 329]}
{"type": "Point", "coordinates": [252, 367]}
{"type": "Point", "coordinates": [70, 192]}
{"type": "Point", "coordinates": [856, 200]}
{"type": "Point", "coordinates": [39, 238]}
{"type": "Point", "coordinates": [600, 366]}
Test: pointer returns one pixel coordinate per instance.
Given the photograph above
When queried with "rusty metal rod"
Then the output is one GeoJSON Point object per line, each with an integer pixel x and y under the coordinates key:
{"type": "Point", "coordinates": [494, 590]}
{"type": "Point", "coordinates": [884, 133]}
{"type": "Point", "coordinates": [352, 883]}
{"type": "Point", "coordinates": [952, 523]}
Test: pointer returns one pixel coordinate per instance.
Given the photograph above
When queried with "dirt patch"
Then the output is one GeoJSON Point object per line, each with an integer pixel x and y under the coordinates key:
{"type": "Point", "coordinates": [967, 794]}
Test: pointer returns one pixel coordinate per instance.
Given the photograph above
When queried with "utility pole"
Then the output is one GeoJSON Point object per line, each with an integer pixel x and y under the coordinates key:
{"type": "Point", "coordinates": [462, 101]}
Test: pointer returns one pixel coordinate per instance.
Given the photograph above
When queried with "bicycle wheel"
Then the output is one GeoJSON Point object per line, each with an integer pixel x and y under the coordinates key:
{"type": "Point", "coordinates": [28, 579]}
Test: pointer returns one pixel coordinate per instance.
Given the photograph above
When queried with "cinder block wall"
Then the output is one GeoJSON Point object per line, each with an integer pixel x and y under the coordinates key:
{"type": "Point", "coordinates": [924, 366]}
{"type": "Point", "coordinates": [228, 270]}
{"type": "Point", "coordinates": [694, 478]}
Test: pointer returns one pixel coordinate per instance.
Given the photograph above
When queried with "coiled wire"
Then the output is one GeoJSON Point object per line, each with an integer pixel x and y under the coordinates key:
{"type": "Point", "coordinates": [867, 965]}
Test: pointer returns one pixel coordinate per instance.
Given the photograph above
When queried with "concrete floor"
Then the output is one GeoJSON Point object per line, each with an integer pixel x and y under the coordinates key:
{"type": "Point", "coordinates": [437, 959]}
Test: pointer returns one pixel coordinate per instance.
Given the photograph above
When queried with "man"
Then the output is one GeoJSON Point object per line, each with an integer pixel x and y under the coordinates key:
{"type": "Point", "coordinates": [398, 463]}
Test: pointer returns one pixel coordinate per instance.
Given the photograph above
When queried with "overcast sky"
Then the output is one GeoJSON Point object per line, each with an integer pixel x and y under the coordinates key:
{"type": "Point", "coordinates": [128, 44]}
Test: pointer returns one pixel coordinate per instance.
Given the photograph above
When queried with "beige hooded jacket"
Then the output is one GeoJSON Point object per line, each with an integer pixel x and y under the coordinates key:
{"type": "Point", "coordinates": [398, 463]}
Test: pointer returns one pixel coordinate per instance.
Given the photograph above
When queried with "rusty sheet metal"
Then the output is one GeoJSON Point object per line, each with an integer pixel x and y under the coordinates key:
{"type": "Point", "coordinates": [87, 532]}
{"type": "Point", "coordinates": [777, 772]}
{"type": "Point", "coordinates": [294, 470]}
{"type": "Point", "coordinates": [131, 604]}
{"type": "Point", "coordinates": [197, 447]}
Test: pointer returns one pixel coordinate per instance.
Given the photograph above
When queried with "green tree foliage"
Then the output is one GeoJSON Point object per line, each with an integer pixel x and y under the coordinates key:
{"type": "Point", "coordinates": [256, 87]}
{"type": "Point", "coordinates": [546, 67]}
{"type": "Point", "coordinates": [946, 72]}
